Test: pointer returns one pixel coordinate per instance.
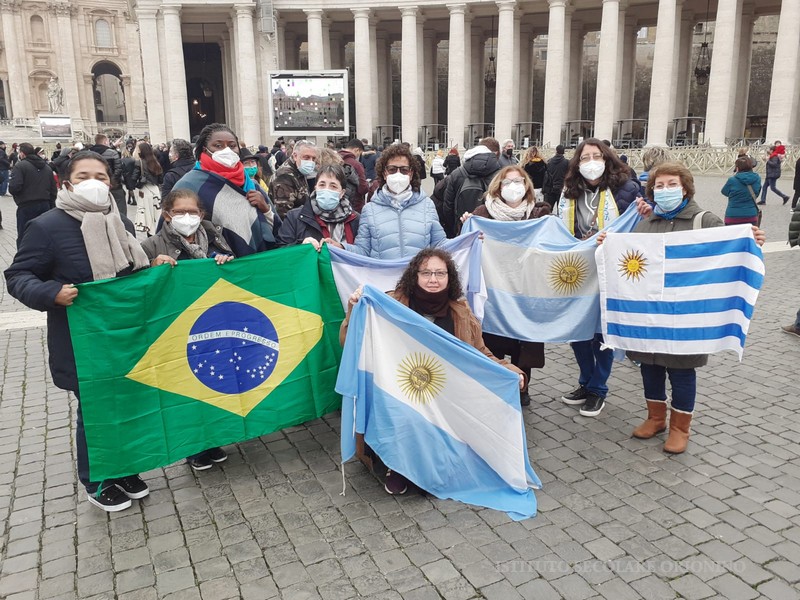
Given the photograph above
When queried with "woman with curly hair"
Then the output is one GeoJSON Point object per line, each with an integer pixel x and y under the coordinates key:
{"type": "Point", "coordinates": [430, 286]}
{"type": "Point", "coordinates": [400, 220]}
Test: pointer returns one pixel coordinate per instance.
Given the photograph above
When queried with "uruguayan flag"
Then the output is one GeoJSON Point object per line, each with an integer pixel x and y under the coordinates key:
{"type": "Point", "coordinates": [351, 270]}
{"type": "Point", "coordinates": [688, 292]}
{"type": "Point", "coordinates": [541, 281]}
{"type": "Point", "coordinates": [434, 408]}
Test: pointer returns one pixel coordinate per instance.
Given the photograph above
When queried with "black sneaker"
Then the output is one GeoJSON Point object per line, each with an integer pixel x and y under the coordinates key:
{"type": "Point", "coordinates": [524, 399]}
{"type": "Point", "coordinates": [576, 397]}
{"type": "Point", "coordinates": [132, 486]}
{"type": "Point", "coordinates": [110, 499]}
{"type": "Point", "coordinates": [593, 405]}
{"type": "Point", "coordinates": [200, 462]}
{"type": "Point", "coordinates": [216, 455]}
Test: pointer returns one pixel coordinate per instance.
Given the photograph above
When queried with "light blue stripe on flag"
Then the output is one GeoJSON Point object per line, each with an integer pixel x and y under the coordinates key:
{"type": "Point", "coordinates": [686, 307]}
{"type": "Point", "coordinates": [679, 334]}
{"type": "Point", "coordinates": [712, 248]}
{"type": "Point", "coordinates": [711, 276]}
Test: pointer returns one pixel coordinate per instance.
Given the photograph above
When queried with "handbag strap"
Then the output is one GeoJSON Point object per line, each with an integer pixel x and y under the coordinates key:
{"type": "Point", "coordinates": [753, 197]}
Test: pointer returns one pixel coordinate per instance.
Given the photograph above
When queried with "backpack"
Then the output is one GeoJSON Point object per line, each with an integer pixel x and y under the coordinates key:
{"type": "Point", "coordinates": [351, 182]}
{"type": "Point", "coordinates": [469, 197]}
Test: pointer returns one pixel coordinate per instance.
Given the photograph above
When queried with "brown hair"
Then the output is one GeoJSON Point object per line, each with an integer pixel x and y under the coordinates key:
{"type": "Point", "coordinates": [615, 175]}
{"type": "Point", "coordinates": [407, 284]}
{"type": "Point", "coordinates": [491, 143]}
{"type": "Point", "coordinates": [169, 200]}
{"type": "Point", "coordinates": [148, 158]}
{"type": "Point", "coordinates": [743, 163]}
{"type": "Point", "coordinates": [395, 151]}
{"type": "Point", "coordinates": [671, 168]}
{"type": "Point", "coordinates": [533, 152]}
{"type": "Point", "coordinates": [495, 186]}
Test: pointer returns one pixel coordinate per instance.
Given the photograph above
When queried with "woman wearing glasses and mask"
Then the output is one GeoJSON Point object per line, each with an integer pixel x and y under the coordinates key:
{"type": "Point", "coordinates": [597, 189]}
{"type": "Point", "coordinates": [510, 197]}
{"type": "Point", "coordinates": [185, 236]}
{"type": "Point", "coordinates": [400, 220]}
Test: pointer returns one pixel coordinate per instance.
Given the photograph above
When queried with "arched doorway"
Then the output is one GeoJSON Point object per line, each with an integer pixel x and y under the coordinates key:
{"type": "Point", "coordinates": [109, 97]}
{"type": "Point", "coordinates": [202, 109]}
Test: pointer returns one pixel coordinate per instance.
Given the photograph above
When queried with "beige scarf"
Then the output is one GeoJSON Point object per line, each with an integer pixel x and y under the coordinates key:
{"type": "Point", "coordinates": [110, 247]}
{"type": "Point", "coordinates": [501, 211]}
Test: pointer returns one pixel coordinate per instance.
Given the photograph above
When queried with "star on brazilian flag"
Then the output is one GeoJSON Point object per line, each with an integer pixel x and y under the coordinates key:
{"type": "Point", "coordinates": [172, 361]}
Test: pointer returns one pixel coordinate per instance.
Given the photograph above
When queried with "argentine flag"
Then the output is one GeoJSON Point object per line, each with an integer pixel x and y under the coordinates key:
{"type": "Point", "coordinates": [541, 281]}
{"type": "Point", "coordinates": [351, 270]}
{"type": "Point", "coordinates": [687, 292]}
{"type": "Point", "coordinates": [434, 408]}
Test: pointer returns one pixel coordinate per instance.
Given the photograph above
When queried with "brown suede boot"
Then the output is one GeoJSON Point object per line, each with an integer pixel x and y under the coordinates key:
{"type": "Point", "coordinates": [678, 438]}
{"type": "Point", "coordinates": [656, 420]}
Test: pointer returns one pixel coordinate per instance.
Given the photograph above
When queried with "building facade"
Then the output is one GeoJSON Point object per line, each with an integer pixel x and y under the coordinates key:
{"type": "Point", "coordinates": [167, 67]}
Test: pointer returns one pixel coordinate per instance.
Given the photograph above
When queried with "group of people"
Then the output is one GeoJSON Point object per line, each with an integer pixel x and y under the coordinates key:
{"type": "Point", "coordinates": [221, 203]}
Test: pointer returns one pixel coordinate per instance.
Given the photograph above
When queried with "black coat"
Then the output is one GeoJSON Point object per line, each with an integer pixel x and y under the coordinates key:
{"type": "Point", "coordinates": [114, 162]}
{"type": "Point", "coordinates": [481, 166]}
{"type": "Point", "coordinates": [300, 223]}
{"type": "Point", "coordinates": [129, 172]}
{"type": "Point", "coordinates": [556, 172]}
{"type": "Point", "coordinates": [451, 163]}
{"type": "Point", "coordinates": [178, 169]}
{"type": "Point", "coordinates": [32, 181]}
{"type": "Point", "coordinates": [52, 254]}
{"type": "Point", "coordinates": [5, 162]}
{"type": "Point", "coordinates": [797, 175]}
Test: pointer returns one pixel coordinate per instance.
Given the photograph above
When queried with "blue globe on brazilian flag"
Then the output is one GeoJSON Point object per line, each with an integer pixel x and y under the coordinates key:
{"type": "Point", "coordinates": [172, 361]}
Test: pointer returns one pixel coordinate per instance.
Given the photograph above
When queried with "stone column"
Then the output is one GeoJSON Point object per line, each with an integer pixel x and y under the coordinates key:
{"type": "Point", "coordinates": [629, 68]}
{"type": "Point", "coordinates": [525, 71]}
{"type": "Point", "coordinates": [506, 76]}
{"type": "Point", "coordinates": [88, 95]}
{"type": "Point", "coordinates": [473, 72]}
{"type": "Point", "coordinates": [364, 69]}
{"type": "Point", "coordinates": [455, 76]}
{"type": "Point", "coordinates": [336, 51]}
{"type": "Point", "coordinates": [409, 82]}
{"type": "Point", "coordinates": [685, 67]}
{"type": "Point", "coordinates": [249, 97]}
{"type": "Point", "coordinates": [554, 76]}
{"type": "Point", "coordinates": [291, 48]}
{"type": "Point", "coordinates": [477, 46]}
{"type": "Point", "coordinates": [783, 101]}
{"type": "Point", "coordinates": [745, 63]}
{"type": "Point", "coordinates": [384, 82]}
{"type": "Point", "coordinates": [724, 70]}
{"type": "Point", "coordinates": [515, 97]}
{"type": "Point", "coordinates": [15, 63]}
{"type": "Point", "coordinates": [621, 63]}
{"type": "Point", "coordinates": [166, 83]}
{"type": "Point", "coordinates": [68, 75]}
{"type": "Point", "coordinates": [316, 42]}
{"type": "Point", "coordinates": [137, 99]}
{"type": "Point", "coordinates": [178, 102]}
{"type": "Point", "coordinates": [661, 86]}
{"type": "Point", "coordinates": [567, 92]}
{"type": "Point", "coordinates": [326, 42]}
{"type": "Point", "coordinates": [676, 59]}
{"type": "Point", "coordinates": [375, 89]}
{"type": "Point", "coordinates": [430, 76]}
{"type": "Point", "coordinates": [148, 38]}
{"type": "Point", "coordinates": [422, 60]}
{"type": "Point", "coordinates": [576, 38]}
{"type": "Point", "coordinates": [607, 71]}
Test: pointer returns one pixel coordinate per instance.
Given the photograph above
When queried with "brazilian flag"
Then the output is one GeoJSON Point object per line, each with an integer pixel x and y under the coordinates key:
{"type": "Point", "coordinates": [174, 360]}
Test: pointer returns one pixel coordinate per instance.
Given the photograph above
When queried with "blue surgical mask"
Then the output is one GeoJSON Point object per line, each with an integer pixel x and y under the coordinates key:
{"type": "Point", "coordinates": [251, 171]}
{"type": "Point", "coordinates": [668, 199]}
{"type": "Point", "coordinates": [327, 199]}
{"type": "Point", "coordinates": [308, 168]}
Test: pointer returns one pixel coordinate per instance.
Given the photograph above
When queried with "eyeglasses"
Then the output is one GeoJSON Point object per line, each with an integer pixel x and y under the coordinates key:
{"type": "Point", "coordinates": [392, 169]}
{"type": "Point", "coordinates": [588, 157]}
{"type": "Point", "coordinates": [429, 274]}
{"type": "Point", "coordinates": [672, 185]}
{"type": "Point", "coordinates": [181, 213]}
{"type": "Point", "coordinates": [506, 182]}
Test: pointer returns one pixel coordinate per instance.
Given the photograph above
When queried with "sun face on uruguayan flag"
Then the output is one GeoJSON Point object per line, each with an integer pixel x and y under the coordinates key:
{"type": "Point", "coordinates": [567, 273]}
{"type": "Point", "coordinates": [230, 348]}
{"type": "Point", "coordinates": [633, 265]}
{"type": "Point", "coordinates": [421, 377]}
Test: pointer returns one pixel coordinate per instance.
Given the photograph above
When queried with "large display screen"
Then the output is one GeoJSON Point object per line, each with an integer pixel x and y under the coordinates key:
{"type": "Point", "coordinates": [309, 103]}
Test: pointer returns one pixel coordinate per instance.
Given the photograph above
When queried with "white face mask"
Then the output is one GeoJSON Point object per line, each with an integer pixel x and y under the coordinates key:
{"type": "Point", "coordinates": [226, 157]}
{"type": "Point", "coordinates": [593, 169]}
{"type": "Point", "coordinates": [513, 193]}
{"type": "Point", "coordinates": [397, 182]}
{"type": "Point", "coordinates": [94, 190]}
{"type": "Point", "coordinates": [186, 225]}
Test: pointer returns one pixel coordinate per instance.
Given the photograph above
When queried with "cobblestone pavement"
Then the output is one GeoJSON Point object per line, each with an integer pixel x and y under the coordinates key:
{"type": "Point", "coordinates": [618, 518]}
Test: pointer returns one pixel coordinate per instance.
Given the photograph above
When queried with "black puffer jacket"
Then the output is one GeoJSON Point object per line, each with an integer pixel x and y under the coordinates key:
{"type": "Point", "coordinates": [794, 228]}
{"type": "Point", "coordinates": [300, 223]}
{"type": "Point", "coordinates": [32, 181]}
{"type": "Point", "coordinates": [556, 172]}
{"type": "Point", "coordinates": [52, 254]}
{"type": "Point", "coordinates": [481, 165]}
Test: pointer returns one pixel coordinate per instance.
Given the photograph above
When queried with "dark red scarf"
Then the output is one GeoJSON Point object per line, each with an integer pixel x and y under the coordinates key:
{"type": "Point", "coordinates": [234, 174]}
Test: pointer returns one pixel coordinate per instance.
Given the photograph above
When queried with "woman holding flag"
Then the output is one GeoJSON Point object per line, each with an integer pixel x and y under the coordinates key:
{"type": "Point", "coordinates": [83, 239]}
{"type": "Point", "coordinates": [430, 286]}
{"type": "Point", "coordinates": [597, 189]}
{"type": "Point", "coordinates": [671, 187]}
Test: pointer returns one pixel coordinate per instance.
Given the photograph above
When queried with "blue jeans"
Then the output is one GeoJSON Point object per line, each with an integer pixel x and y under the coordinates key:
{"type": "Point", "coordinates": [3, 182]}
{"type": "Point", "coordinates": [683, 381]}
{"type": "Point", "coordinates": [595, 365]}
{"type": "Point", "coordinates": [770, 182]}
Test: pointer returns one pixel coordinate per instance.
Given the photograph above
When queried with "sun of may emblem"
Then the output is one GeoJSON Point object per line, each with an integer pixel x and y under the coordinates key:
{"type": "Point", "coordinates": [420, 377]}
{"type": "Point", "coordinates": [567, 273]}
{"type": "Point", "coordinates": [633, 265]}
